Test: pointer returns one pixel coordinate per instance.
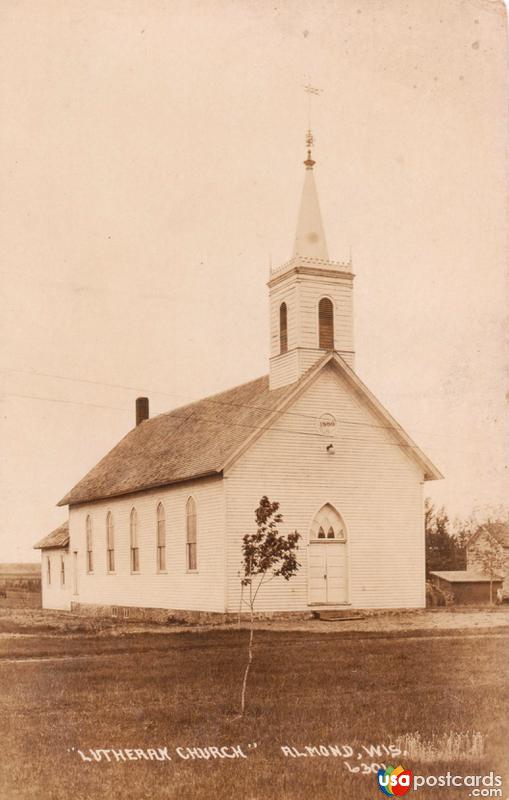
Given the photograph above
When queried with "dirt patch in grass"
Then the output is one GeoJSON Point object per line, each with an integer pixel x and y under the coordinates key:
{"type": "Point", "coordinates": [42, 621]}
{"type": "Point", "coordinates": [432, 620]}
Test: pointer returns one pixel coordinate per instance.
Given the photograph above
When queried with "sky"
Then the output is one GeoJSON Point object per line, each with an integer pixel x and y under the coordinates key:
{"type": "Point", "coordinates": [150, 170]}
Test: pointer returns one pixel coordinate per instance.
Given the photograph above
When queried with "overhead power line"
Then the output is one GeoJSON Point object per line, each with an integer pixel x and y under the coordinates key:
{"type": "Point", "coordinates": [189, 402]}
{"type": "Point", "coordinates": [73, 402]}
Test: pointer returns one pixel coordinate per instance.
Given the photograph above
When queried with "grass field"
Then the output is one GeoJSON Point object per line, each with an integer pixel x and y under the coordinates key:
{"type": "Point", "coordinates": [146, 691]}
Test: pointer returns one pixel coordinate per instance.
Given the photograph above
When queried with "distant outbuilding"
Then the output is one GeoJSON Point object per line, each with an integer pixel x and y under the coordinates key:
{"type": "Point", "coordinates": [467, 588]}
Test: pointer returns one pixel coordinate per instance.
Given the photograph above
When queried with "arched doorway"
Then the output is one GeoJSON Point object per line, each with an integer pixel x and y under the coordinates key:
{"type": "Point", "coordinates": [327, 562]}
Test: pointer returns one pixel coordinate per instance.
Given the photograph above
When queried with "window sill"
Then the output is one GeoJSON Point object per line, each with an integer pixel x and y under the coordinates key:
{"type": "Point", "coordinates": [111, 572]}
{"type": "Point", "coordinates": [192, 571]}
{"type": "Point", "coordinates": [162, 572]}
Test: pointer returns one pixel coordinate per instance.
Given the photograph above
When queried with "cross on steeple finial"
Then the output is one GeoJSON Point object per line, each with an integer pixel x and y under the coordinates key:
{"type": "Point", "coordinates": [309, 144]}
{"type": "Point", "coordinates": [310, 90]}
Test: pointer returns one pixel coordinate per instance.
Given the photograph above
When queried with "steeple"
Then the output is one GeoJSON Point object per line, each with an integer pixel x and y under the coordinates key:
{"type": "Point", "coordinates": [310, 237]}
{"type": "Point", "coordinates": [311, 297]}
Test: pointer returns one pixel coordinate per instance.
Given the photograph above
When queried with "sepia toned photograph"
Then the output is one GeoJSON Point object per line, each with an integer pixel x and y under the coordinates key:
{"type": "Point", "coordinates": [254, 541]}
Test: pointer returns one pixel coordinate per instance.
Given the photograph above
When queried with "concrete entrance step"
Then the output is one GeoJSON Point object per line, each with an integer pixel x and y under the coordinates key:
{"type": "Point", "coordinates": [337, 615]}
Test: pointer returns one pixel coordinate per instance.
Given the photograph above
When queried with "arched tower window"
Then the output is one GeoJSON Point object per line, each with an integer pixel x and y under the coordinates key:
{"type": "Point", "coordinates": [191, 534]}
{"type": "Point", "coordinates": [110, 543]}
{"type": "Point", "coordinates": [328, 525]}
{"type": "Point", "coordinates": [161, 538]}
{"type": "Point", "coordinates": [325, 324]}
{"type": "Point", "coordinates": [283, 328]}
{"type": "Point", "coordinates": [133, 541]}
{"type": "Point", "coordinates": [90, 544]}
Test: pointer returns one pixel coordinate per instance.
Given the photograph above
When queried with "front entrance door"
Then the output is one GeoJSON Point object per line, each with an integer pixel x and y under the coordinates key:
{"type": "Point", "coordinates": [327, 573]}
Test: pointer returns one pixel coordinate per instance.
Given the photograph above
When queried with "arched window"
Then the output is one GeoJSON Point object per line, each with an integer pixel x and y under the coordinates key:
{"type": "Point", "coordinates": [62, 571]}
{"type": "Point", "coordinates": [161, 538]}
{"type": "Point", "coordinates": [283, 328]}
{"type": "Point", "coordinates": [325, 324]}
{"type": "Point", "coordinates": [110, 543]}
{"type": "Point", "coordinates": [133, 540]}
{"type": "Point", "coordinates": [48, 570]}
{"type": "Point", "coordinates": [90, 545]}
{"type": "Point", "coordinates": [328, 525]}
{"type": "Point", "coordinates": [191, 534]}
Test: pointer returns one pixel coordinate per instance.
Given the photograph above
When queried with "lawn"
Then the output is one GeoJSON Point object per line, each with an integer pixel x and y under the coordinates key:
{"type": "Point", "coordinates": [146, 691]}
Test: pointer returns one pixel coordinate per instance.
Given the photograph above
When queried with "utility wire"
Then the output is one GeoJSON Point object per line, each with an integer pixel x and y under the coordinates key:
{"type": "Point", "coordinates": [73, 402]}
{"type": "Point", "coordinates": [184, 419]}
{"type": "Point", "coordinates": [211, 399]}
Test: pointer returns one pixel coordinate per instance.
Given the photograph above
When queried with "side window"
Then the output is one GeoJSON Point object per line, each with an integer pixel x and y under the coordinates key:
{"type": "Point", "coordinates": [325, 324]}
{"type": "Point", "coordinates": [110, 543]}
{"type": "Point", "coordinates": [283, 328]}
{"type": "Point", "coordinates": [161, 538]}
{"type": "Point", "coordinates": [191, 536]}
{"type": "Point", "coordinates": [133, 537]}
{"type": "Point", "coordinates": [90, 545]}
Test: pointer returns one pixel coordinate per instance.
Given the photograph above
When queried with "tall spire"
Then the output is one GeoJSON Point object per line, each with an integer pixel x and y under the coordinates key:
{"type": "Point", "coordinates": [310, 237]}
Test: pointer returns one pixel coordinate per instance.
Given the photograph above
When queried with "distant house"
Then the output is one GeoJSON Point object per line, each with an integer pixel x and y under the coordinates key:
{"type": "Point", "coordinates": [499, 532]}
{"type": "Point", "coordinates": [20, 585]}
{"type": "Point", "coordinates": [158, 523]}
{"type": "Point", "coordinates": [55, 568]}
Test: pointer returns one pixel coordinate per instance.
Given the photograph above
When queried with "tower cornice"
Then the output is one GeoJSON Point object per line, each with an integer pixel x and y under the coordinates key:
{"type": "Point", "coordinates": [299, 265]}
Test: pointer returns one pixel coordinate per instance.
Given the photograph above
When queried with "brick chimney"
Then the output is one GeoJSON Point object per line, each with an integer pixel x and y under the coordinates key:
{"type": "Point", "coordinates": [141, 409]}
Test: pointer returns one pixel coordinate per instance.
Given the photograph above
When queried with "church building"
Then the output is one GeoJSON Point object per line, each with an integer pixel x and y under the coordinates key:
{"type": "Point", "coordinates": [158, 523]}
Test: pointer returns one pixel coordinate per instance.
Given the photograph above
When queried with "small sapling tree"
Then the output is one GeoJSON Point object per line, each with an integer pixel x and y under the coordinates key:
{"type": "Point", "coordinates": [489, 556]}
{"type": "Point", "coordinates": [266, 554]}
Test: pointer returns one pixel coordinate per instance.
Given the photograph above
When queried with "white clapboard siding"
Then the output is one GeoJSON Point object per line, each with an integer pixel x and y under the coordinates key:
{"type": "Point", "coordinates": [54, 594]}
{"type": "Point", "coordinates": [370, 480]}
{"type": "Point", "coordinates": [285, 369]}
{"type": "Point", "coordinates": [203, 590]}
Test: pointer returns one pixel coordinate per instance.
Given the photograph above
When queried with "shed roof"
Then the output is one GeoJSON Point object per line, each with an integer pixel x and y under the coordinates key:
{"type": "Point", "coordinates": [203, 438]}
{"type": "Point", "coordinates": [57, 538]}
{"type": "Point", "coordinates": [457, 576]}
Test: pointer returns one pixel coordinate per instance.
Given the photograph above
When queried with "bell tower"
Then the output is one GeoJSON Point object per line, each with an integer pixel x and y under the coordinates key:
{"type": "Point", "coordinates": [311, 310]}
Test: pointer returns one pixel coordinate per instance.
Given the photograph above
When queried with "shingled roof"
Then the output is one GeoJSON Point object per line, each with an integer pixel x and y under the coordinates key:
{"type": "Point", "coordinates": [189, 442]}
{"type": "Point", "coordinates": [200, 439]}
{"type": "Point", "coordinates": [57, 538]}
